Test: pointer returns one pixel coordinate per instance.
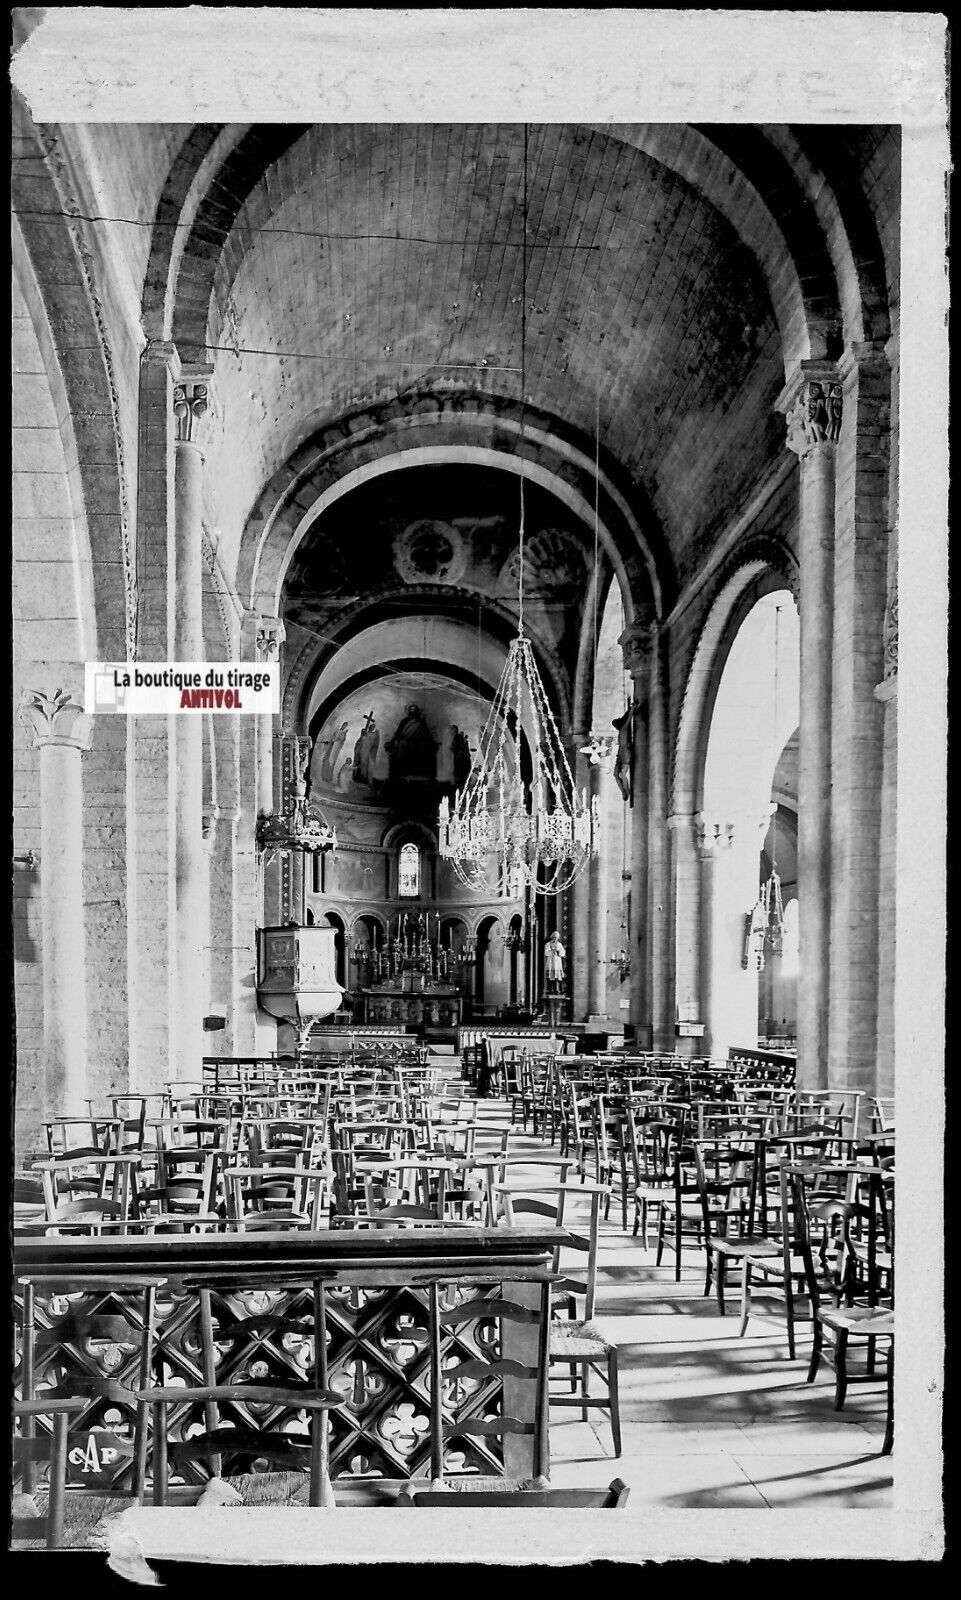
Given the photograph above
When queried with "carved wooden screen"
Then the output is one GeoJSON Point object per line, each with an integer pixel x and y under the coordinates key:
{"type": "Point", "coordinates": [378, 1358]}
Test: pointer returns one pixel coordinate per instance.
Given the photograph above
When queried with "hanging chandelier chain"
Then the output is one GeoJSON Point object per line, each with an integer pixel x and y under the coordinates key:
{"type": "Point", "coordinates": [777, 618]}
{"type": "Point", "coordinates": [520, 542]}
{"type": "Point", "coordinates": [503, 836]}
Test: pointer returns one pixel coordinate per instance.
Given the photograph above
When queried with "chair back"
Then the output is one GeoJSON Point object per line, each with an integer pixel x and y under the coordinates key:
{"type": "Point", "coordinates": [30, 1447]}
{"type": "Point", "coordinates": [726, 1181]}
{"type": "Point", "coordinates": [445, 1380]}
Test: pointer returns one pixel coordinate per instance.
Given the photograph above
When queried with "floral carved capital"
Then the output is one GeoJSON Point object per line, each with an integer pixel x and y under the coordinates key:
{"type": "Point", "coordinates": [56, 719]}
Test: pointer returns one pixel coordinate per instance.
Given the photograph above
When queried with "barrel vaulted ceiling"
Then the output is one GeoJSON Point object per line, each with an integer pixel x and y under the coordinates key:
{"type": "Point", "coordinates": [381, 258]}
{"type": "Point", "coordinates": [331, 268]}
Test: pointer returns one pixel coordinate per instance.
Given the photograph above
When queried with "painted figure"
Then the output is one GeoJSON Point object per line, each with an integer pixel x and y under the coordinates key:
{"type": "Point", "coordinates": [333, 747]}
{"type": "Point", "coordinates": [365, 750]}
{"type": "Point", "coordinates": [461, 756]}
{"type": "Point", "coordinates": [413, 748]}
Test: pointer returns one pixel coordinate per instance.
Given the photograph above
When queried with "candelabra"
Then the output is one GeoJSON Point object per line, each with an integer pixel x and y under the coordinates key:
{"type": "Point", "coordinates": [622, 961]}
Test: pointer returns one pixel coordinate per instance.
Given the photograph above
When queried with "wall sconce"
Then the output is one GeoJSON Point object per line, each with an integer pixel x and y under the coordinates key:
{"type": "Point", "coordinates": [622, 961]}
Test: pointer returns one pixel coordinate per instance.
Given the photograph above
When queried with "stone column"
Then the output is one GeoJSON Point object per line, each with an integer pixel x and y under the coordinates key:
{"type": "Point", "coordinates": [711, 838]}
{"type": "Point", "coordinates": [61, 732]}
{"type": "Point", "coordinates": [887, 693]}
{"type": "Point", "coordinates": [577, 963]}
{"type": "Point", "coordinates": [735, 882]}
{"type": "Point", "coordinates": [599, 772]}
{"type": "Point", "coordinates": [635, 643]}
{"type": "Point", "coordinates": [270, 635]}
{"type": "Point", "coordinates": [219, 832]}
{"type": "Point", "coordinates": [862, 537]}
{"type": "Point", "coordinates": [659, 935]}
{"type": "Point", "coordinates": [812, 403]}
{"type": "Point", "coordinates": [688, 928]}
{"type": "Point", "coordinates": [151, 759]}
{"type": "Point", "coordinates": [191, 936]}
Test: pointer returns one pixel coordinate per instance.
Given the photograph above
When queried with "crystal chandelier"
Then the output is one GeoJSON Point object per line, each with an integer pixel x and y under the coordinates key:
{"type": "Point", "coordinates": [299, 827]}
{"type": "Point", "coordinates": [504, 834]}
{"type": "Point", "coordinates": [540, 834]}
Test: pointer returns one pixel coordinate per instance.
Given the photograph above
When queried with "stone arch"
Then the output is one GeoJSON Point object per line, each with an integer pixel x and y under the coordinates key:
{"type": "Point", "coordinates": [849, 228]}
{"type": "Point", "coordinates": [314, 658]}
{"type": "Point", "coordinates": [741, 172]}
{"type": "Point", "coordinates": [400, 832]}
{"type": "Point", "coordinates": [438, 428]}
{"type": "Point", "coordinates": [756, 568]}
{"type": "Point", "coordinates": [602, 584]}
{"type": "Point", "coordinates": [50, 252]}
{"type": "Point", "coordinates": [210, 181]}
{"type": "Point", "coordinates": [795, 232]}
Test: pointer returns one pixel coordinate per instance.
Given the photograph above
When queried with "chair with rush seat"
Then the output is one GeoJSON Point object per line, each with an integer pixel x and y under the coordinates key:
{"type": "Point", "coordinates": [449, 1420]}
{"type": "Point", "coordinates": [29, 1448]}
{"type": "Point", "coordinates": [235, 1437]}
{"type": "Point", "coordinates": [576, 1343]}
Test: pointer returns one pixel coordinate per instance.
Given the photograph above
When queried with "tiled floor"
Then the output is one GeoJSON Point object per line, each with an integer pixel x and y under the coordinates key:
{"type": "Point", "coordinates": [710, 1420]}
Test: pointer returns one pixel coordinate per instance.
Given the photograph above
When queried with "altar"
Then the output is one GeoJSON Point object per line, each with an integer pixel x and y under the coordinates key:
{"type": "Point", "coordinates": [414, 978]}
{"type": "Point", "coordinates": [434, 1006]}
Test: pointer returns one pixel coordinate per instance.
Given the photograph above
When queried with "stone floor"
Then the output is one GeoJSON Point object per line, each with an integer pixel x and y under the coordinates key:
{"type": "Point", "coordinates": [710, 1420]}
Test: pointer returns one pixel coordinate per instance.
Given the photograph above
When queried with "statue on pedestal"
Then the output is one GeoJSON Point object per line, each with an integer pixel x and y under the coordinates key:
{"type": "Point", "coordinates": [554, 959]}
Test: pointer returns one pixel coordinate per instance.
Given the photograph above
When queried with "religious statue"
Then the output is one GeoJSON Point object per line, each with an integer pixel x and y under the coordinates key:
{"type": "Point", "coordinates": [412, 748]}
{"type": "Point", "coordinates": [554, 957]}
{"type": "Point", "coordinates": [624, 763]}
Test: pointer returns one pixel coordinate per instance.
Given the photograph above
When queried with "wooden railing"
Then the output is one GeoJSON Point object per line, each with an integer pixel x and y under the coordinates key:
{"type": "Point", "coordinates": [764, 1066]}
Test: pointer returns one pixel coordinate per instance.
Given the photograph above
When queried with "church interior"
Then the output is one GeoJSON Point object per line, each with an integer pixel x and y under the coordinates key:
{"type": "Point", "coordinates": [430, 417]}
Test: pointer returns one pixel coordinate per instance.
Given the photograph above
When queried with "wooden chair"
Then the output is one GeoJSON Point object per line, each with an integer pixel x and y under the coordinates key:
{"type": "Point", "coordinates": [726, 1180]}
{"type": "Point", "coordinates": [835, 1325]}
{"type": "Point", "coordinates": [682, 1216]}
{"type": "Point", "coordinates": [276, 1194]}
{"type": "Point", "coordinates": [613, 1498]}
{"type": "Point", "coordinates": [101, 1187]}
{"type": "Point", "coordinates": [511, 1372]}
{"type": "Point", "coordinates": [186, 1192]}
{"type": "Point", "coordinates": [29, 1448]}
{"type": "Point", "coordinates": [238, 1438]}
{"type": "Point", "coordinates": [654, 1142]}
{"type": "Point", "coordinates": [106, 1324]}
{"type": "Point", "coordinates": [576, 1343]}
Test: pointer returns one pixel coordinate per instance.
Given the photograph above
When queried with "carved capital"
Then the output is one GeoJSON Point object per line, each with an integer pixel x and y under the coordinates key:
{"type": "Point", "coordinates": [637, 645]}
{"type": "Point", "coordinates": [191, 399]}
{"type": "Point", "coordinates": [56, 719]}
{"type": "Point", "coordinates": [812, 405]}
{"type": "Point", "coordinates": [711, 835]}
{"type": "Point", "coordinates": [270, 635]}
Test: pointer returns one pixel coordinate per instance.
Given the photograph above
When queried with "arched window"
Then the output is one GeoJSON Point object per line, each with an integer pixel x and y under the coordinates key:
{"type": "Point", "coordinates": [408, 885]}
